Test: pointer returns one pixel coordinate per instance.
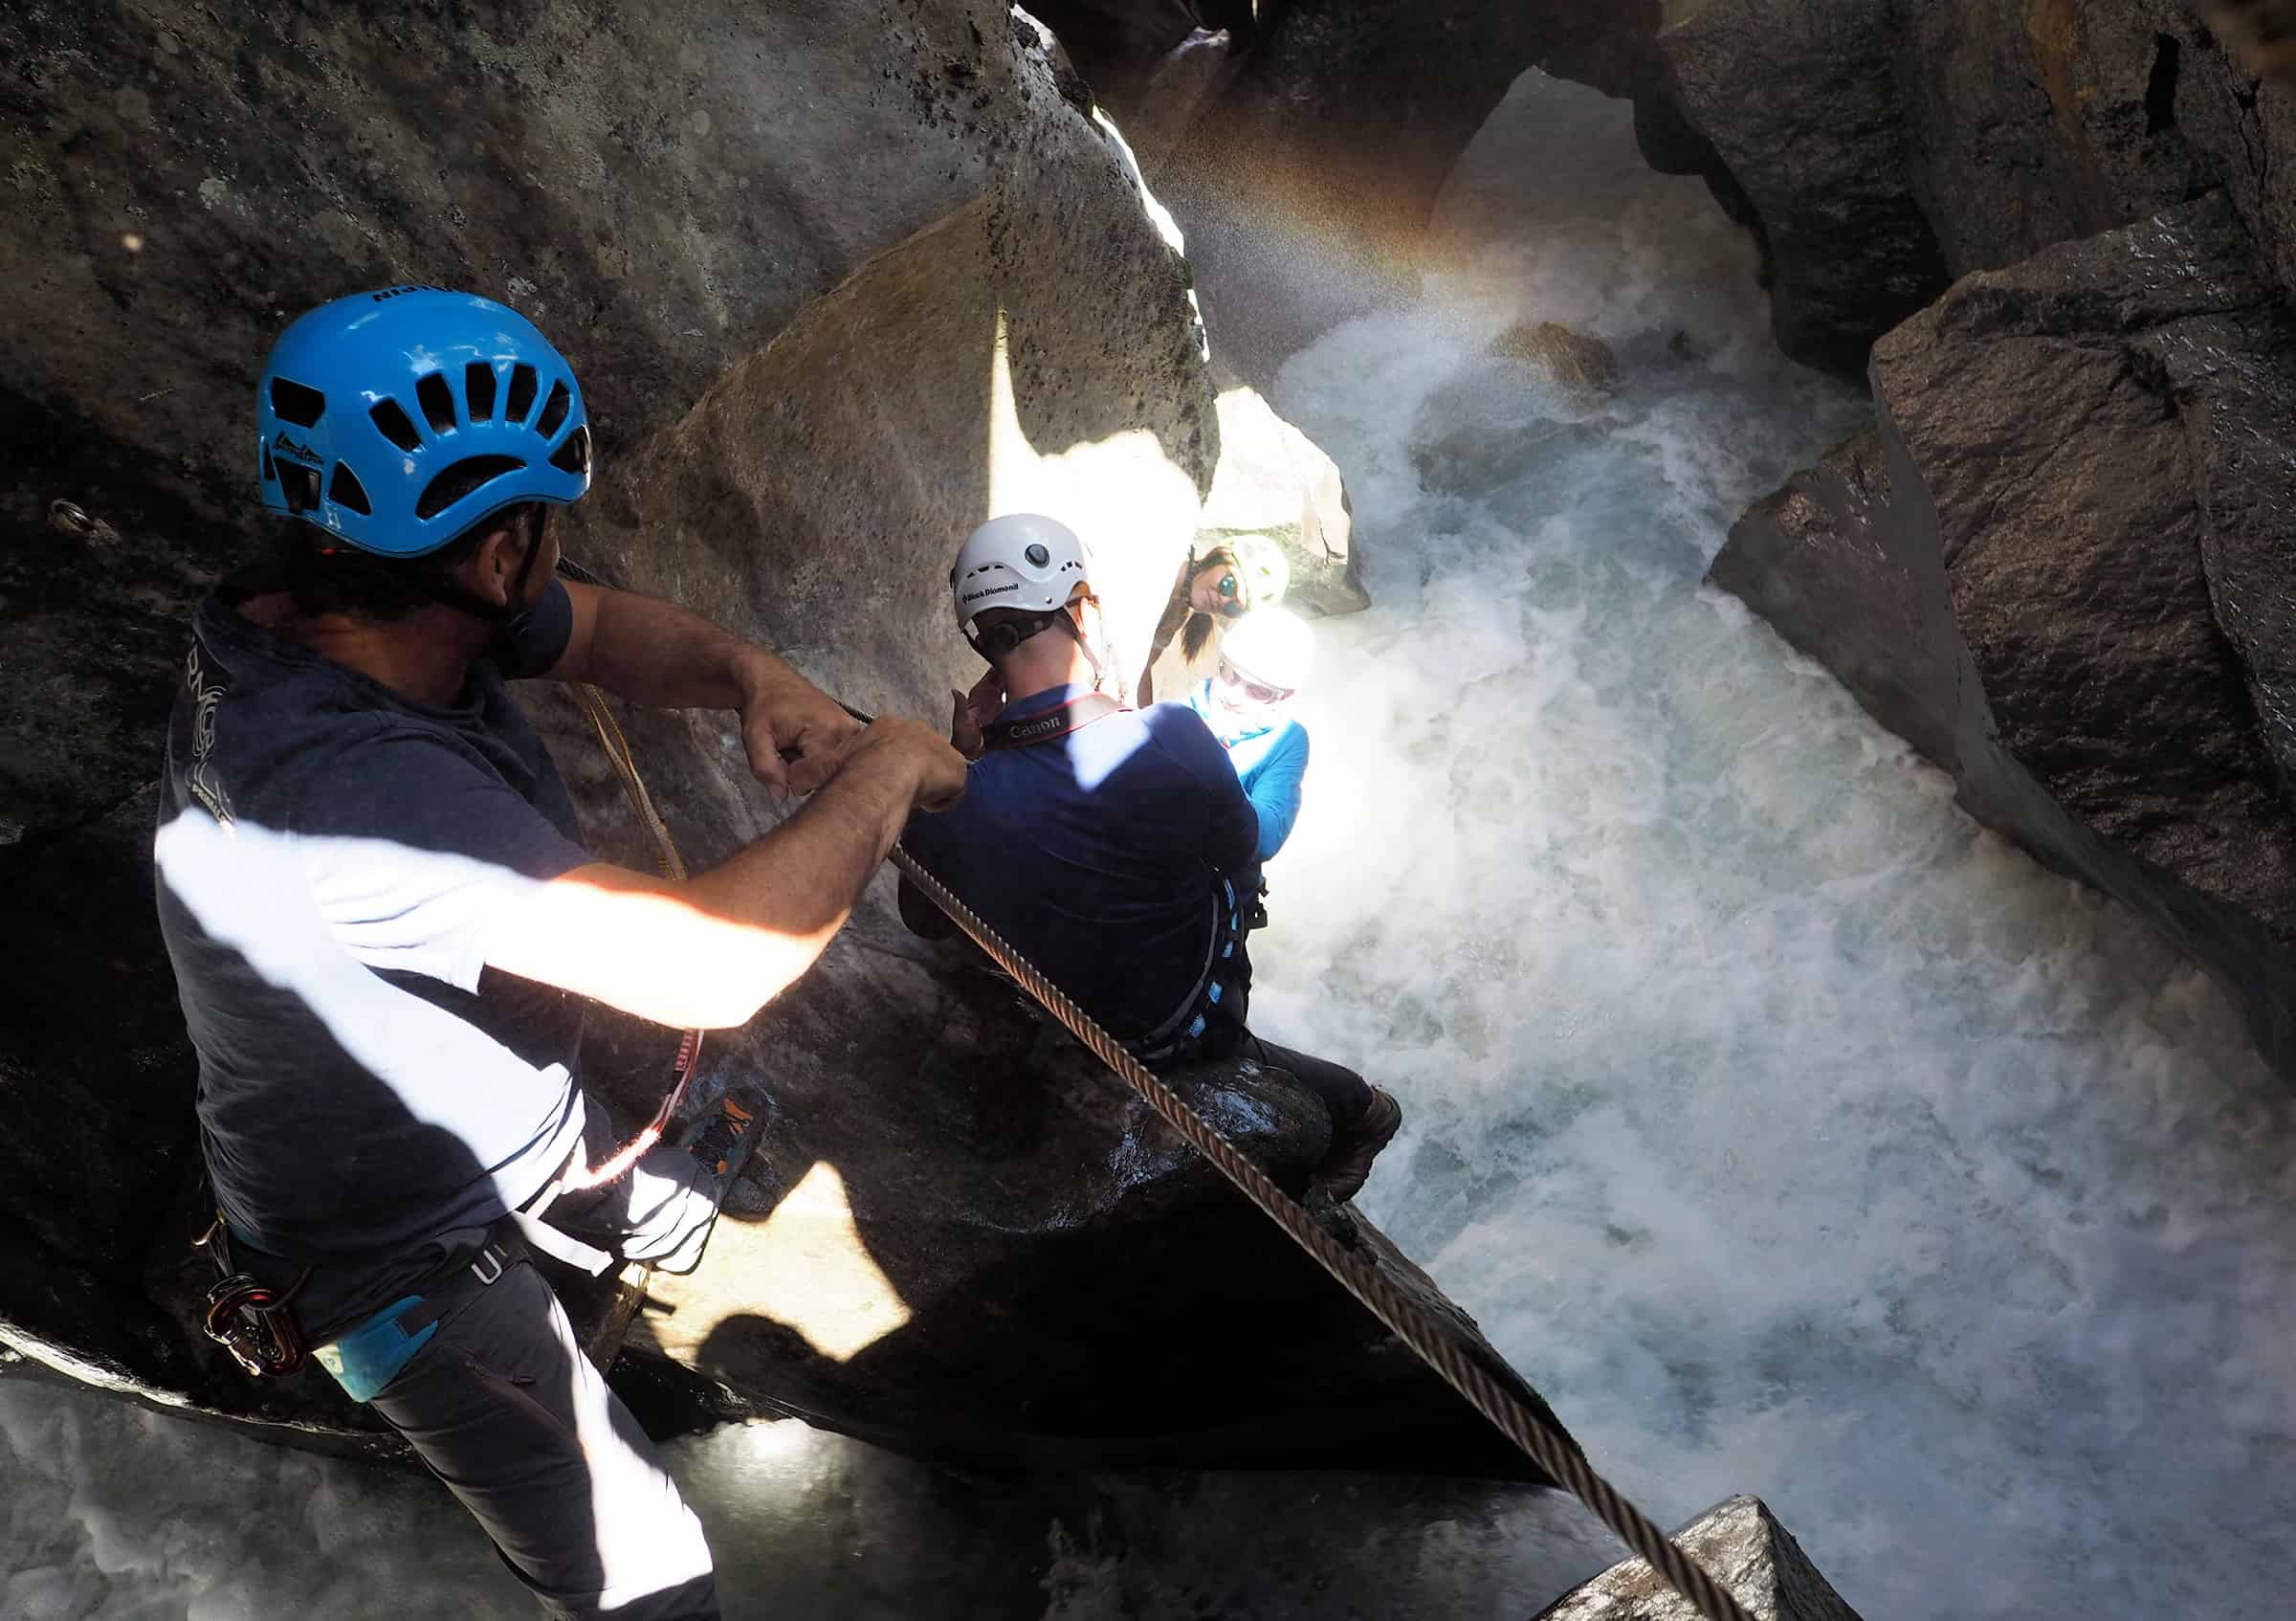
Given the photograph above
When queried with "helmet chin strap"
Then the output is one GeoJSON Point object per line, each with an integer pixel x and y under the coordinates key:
{"type": "Point", "coordinates": [1092, 656]}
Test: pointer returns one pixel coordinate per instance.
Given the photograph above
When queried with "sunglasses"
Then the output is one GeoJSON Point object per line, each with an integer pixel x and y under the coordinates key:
{"type": "Point", "coordinates": [1232, 605]}
{"type": "Point", "coordinates": [1256, 690]}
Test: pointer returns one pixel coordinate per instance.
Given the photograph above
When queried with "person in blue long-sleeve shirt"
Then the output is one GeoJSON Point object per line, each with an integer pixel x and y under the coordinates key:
{"type": "Point", "coordinates": [1263, 662]}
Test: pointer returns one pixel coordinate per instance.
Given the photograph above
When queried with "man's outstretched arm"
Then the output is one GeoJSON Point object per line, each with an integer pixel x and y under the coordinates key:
{"type": "Point", "coordinates": [711, 951]}
{"type": "Point", "coordinates": [655, 652]}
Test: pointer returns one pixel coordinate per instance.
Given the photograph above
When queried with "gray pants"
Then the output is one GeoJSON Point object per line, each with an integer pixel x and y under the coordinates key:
{"type": "Point", "coordinates": [504, 1407]}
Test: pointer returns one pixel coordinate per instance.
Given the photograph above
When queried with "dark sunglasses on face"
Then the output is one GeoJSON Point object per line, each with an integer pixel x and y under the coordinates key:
{"type": "Point", "coordinates": [1231, 605]}
{"type": "Point", "coordinates": [1254, 690]}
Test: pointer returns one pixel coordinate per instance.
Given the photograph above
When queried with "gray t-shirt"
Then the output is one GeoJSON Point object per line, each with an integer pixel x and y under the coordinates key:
{"type": "Point", "coordinates": [327, 852]}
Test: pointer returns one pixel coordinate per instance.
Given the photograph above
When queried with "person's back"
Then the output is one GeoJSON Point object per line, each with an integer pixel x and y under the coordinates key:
{"type": "Point", "coordinates": [1107, 845]}
{"type": "Point", "coordinates": [1099, 853]}
{"type": "Point", "coordinates": [302, 763]}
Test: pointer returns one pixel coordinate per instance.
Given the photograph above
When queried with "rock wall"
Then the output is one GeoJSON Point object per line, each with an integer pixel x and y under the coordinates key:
{"type": "Point", "coordinates": [2058, 569]}
{"type": "Point", "coordinates": [1894, 147]}
{"type": "Point", "coordinates": [180, 186]}
{"type": "Point", "coordinates": [2061, 570]}
{"type": "Point", "coordinates": [1301, 143]}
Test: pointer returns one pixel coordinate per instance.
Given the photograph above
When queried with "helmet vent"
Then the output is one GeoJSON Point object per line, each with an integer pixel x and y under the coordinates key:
{"type": "Point", "coordinates": [299, 485]}
{"type": "Point", "coordinates": [344, 489]}
{"type": "Point", "coordinates": [460, 479]}
{"type": "Point", "coordinates": [522, 386]}
{"type": "Point", "coordinates": [554, 409]}
{"type": "Point", "coordinates": [271, 474]}
{"type": "Point", "coordinates": [574, 456]}
{"type": "Point", "coordinates": [439, 403]}
{"type": "Point", "coordinates": [393, 423]}
{"type": "Point", "coordinates": [292, 402]}
{"type": "Point", "coordinates": [478, 390]}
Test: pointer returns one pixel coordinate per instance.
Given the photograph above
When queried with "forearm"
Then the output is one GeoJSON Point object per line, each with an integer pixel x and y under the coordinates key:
{"type": "Point", "coordinates": [801, 880]}
{"type": "Point", "coordinates": [781, 900]}
{"type": "Point", "coordinates": [711, 951]}
{"type": "Point", "coordinates": [1276, 815]}
{"type": "Point", "coordinates": [654, 652]}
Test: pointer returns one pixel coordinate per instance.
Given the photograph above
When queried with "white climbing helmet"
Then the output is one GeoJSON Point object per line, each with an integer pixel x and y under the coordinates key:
{"type": "Point", "coordinates": [1022, 560]}
{"type": "Point", "coordinates": [1272, 646]}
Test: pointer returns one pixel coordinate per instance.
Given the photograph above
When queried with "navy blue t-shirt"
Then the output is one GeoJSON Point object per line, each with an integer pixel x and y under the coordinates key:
{"type": "Point", "coordinates": [327, 852]}
{"type": "Point", "coordinates": [1096, 853]}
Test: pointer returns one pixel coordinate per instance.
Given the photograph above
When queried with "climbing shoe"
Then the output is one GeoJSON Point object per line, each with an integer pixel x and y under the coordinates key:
{"type": "Point", "coordinates": [719, 1140]}
{"type": "Point", "coordinates": [1347, 1166]}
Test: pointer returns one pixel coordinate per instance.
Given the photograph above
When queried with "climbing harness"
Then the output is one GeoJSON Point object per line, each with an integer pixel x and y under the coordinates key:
{"type": "Point", "coordinates": [250, 1321]}
{"type": "Point", "coordinates": [1169, 1039]}
{"type": "Point", "coordinates": [1404, 1318]}
{"type": "Point", "coordinates": [365, 1359]}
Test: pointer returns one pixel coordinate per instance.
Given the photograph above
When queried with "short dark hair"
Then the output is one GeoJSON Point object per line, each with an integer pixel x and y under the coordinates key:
{"type": "Point", "coordinates": [382, 591]}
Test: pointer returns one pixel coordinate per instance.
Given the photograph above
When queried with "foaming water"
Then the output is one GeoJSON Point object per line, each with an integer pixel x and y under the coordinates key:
{"type": "Point", "coordinates": [1791, 1133]}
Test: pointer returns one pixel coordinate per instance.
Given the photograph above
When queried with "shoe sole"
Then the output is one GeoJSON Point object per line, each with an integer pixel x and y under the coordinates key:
{"type": "Point", "coordinates": [748, 1105]}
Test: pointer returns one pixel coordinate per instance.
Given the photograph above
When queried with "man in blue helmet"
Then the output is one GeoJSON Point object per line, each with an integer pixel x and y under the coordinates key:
{"type": "Point", "coordinates": [383, 921]}
{"type": "Point", "coordinates": [1106, 843]}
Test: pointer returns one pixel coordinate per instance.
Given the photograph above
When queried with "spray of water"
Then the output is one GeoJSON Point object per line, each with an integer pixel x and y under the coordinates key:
{"type": "Point", "coordinates": [1793, 1134]}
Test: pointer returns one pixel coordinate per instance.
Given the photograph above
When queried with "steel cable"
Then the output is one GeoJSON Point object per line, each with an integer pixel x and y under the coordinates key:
{"type": "Point", "coordinates": [1403, 1318]}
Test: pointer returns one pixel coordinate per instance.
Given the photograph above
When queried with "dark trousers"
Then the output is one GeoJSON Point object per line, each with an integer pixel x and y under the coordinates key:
{"type": "Point", "coordinates": [507, 1412]}
{"type": "Point", "coordinates": [1344, 1093]}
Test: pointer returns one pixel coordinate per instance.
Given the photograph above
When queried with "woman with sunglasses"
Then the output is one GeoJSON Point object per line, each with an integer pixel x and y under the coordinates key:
{"type": "Point", "coordinates": [1263, 659]}
{"type": "Point", "coordinates": [1242, 573]}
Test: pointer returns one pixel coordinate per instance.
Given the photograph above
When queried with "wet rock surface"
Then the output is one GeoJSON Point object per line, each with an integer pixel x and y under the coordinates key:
{"type": "Point", "coordinates": [1743, 1546]}
{"type": "Point", "coordinates": [1572, 358]}
{"type": "Point", "coordinates": [1017, 1307]}
{"type": "Point", "coordinates": [2061, 569]}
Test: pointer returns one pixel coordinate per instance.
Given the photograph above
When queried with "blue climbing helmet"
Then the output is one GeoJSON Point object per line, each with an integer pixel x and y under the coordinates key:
{"type": "Point", "coordinates": [399, 418]}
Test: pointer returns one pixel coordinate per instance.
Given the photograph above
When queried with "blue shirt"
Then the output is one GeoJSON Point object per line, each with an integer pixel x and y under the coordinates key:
{"type": "Point", "coordinates": [1096, 853]}
{"type": "Point", "coordinates": [327, 852]}
{"type": "Point", "coordinates": [1271, 762]}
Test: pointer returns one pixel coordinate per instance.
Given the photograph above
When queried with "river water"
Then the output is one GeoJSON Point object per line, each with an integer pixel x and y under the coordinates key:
{"type": "Point", "coordinates": [1789, 1132]}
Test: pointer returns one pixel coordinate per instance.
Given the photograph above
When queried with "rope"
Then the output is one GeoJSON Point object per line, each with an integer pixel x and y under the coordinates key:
{"type": "Point", "coordinates": [1403, 1318]}
{"type": "Point", "coordinates": [616, 744]}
